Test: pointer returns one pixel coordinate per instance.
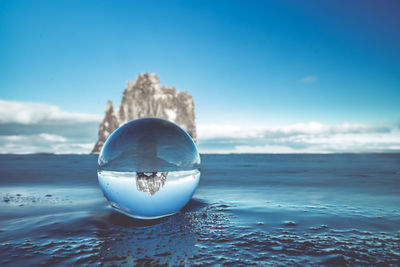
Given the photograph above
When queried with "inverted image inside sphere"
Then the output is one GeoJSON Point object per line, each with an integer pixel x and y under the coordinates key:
{"type": "Point", "coordinates": [149, 168]}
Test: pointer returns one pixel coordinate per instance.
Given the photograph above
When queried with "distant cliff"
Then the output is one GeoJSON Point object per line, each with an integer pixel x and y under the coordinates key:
{"type": "Point", "coordinates": [147, 98]}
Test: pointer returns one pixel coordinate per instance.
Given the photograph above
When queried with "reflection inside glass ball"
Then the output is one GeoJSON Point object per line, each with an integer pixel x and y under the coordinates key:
{"type": "Point", "coordinates": [150, 182]}
{"type": "Point", "coordinates": [149, 168]}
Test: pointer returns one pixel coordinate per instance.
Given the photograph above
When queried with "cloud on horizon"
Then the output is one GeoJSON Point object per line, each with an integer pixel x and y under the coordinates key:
{"type": "Point", "coordinates": [310, 137]}
{"type": "Point", "coordinates": [36, 128]}
{"type": "Point", "coordinates": [27, 127]}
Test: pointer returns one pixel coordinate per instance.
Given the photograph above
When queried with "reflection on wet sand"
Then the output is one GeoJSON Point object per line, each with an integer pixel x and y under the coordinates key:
{"type": "Point", "coordinates": [170, 240]}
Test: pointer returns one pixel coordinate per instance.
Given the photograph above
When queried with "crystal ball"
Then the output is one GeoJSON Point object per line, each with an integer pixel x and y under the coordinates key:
{"type": "Point", "coordinates": [149, 168]}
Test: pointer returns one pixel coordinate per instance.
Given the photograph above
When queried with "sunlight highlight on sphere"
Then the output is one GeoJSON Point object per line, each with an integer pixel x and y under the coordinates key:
{"type": "Point", "coordinates": [149, 168]}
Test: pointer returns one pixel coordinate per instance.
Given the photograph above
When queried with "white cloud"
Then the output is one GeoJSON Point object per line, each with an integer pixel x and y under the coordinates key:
{"type": "Point", "coordinates": [310, 137]}
{"type": "Point", "coordinates": [27, 127]}
{"type": "Point", "coordinates": [72, 148]}
{"type": "Point", "coordinates": [14, 138]}
{"type": "Point", "coordinates": [13, 148]}
{"type": "Point", "coordinates": [32, 113]}
{"type": "Point", "coordinates": [42, 143]}
{"type": "Point", "coordinates": [52, 137]}
{"type": "Point", "coordinates": [36, 127]}
{"type": "Point", "coordinates": [213, 131]}
{"type": "Point", "coordinates": [309, 79]}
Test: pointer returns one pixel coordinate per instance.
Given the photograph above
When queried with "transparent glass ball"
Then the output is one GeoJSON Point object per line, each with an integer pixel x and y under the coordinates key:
{"type": "Point", "coordinates": [149, 168]}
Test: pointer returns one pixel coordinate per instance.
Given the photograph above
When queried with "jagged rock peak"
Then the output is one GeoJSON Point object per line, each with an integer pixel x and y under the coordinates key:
{"type": "Point", "coordinates": [109, 107]}
{"type": "Point", "coordinates": [147, 98]}
{"type": "Point", "coordinates": [106, 127]}
{"type": "Point", "coordinates": [144, 80]}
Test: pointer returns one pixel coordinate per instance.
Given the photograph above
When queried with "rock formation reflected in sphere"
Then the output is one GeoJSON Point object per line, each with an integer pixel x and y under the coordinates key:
{"type": "Point", "coordinates": [149, 168]}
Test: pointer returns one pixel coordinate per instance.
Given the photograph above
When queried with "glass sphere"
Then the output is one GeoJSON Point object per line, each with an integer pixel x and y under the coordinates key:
{"type": "Point", "coordinates": [148, 168]}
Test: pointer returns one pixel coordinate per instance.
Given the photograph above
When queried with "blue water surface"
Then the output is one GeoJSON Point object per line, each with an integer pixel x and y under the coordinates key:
{"type": "Point", "coordinates": [339, 209]}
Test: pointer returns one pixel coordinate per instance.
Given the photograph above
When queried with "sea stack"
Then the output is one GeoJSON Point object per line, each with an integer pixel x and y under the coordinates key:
{"type": "Point", "coordinates": [147, 98]}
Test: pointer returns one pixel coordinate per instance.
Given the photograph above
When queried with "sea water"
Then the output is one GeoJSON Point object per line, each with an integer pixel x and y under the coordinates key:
{"type": "Point", "coordinates": [146, 197]}
{"type": "Point", "coordinates": [249, 209]}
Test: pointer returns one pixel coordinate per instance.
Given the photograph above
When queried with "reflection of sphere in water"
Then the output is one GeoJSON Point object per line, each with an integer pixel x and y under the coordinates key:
{"type": "Point", "coordinates": [148, 168]}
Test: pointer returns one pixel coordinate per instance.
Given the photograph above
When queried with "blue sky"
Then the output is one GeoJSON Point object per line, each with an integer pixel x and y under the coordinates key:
{"type": "Point", "coordinates": [257, 64]}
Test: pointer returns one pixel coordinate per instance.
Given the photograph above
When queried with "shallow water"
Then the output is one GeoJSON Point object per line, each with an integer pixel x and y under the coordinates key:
{"type": "Point", "coordinates": [247, 210]}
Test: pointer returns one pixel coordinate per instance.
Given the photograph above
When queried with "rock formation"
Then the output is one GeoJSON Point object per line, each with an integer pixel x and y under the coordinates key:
{"type": "Point", "coordinates": [147, 98]}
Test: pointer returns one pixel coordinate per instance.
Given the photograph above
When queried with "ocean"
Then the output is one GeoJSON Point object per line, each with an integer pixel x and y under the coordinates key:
{"type": "Point", "coordinates": [249, 209]}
